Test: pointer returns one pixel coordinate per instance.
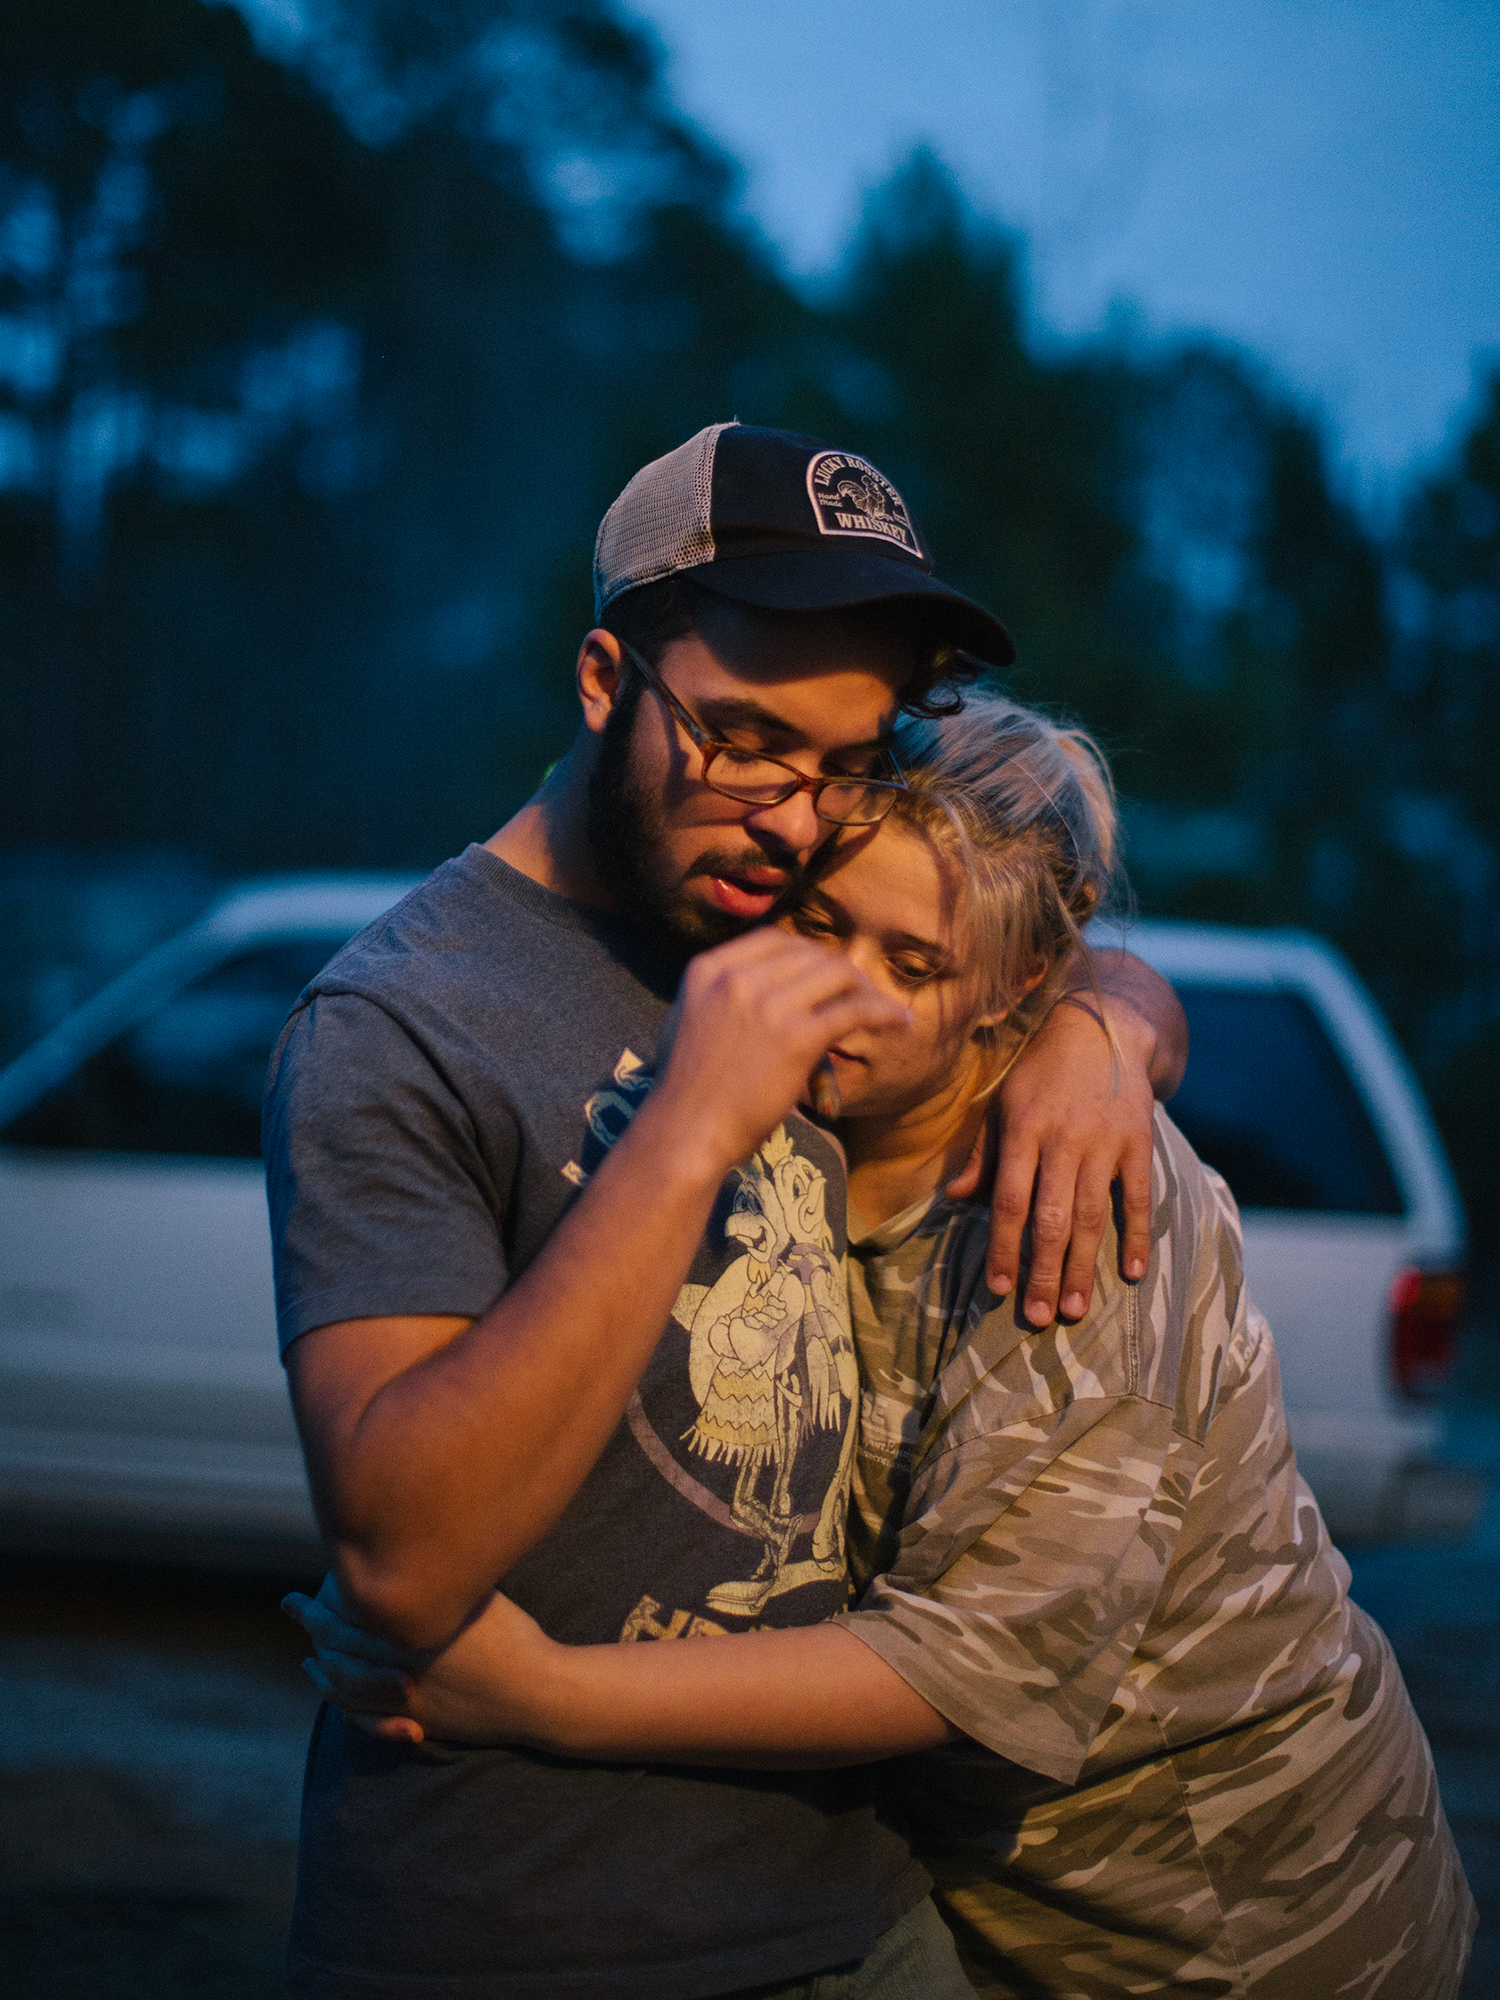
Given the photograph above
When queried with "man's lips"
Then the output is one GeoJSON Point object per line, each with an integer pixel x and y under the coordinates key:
{"type": "Point", "coordinates": [746, 895]}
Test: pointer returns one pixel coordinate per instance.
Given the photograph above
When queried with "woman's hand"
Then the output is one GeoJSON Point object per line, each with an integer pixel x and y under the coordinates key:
{"type": "Point", "coordinates": [480, 1688]}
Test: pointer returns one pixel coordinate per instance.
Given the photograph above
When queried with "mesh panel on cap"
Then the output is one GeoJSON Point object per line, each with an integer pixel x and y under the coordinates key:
{"type": "Point", "coordinates": [660, 523]}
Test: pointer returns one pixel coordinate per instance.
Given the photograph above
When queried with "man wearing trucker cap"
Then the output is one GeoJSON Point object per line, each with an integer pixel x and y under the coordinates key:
{"type": "Point", "coordinates": [492, 1240]}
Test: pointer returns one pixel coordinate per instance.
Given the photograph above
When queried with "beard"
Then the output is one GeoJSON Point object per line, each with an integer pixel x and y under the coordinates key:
{"type": "Point", "coordinates": [627, 835]}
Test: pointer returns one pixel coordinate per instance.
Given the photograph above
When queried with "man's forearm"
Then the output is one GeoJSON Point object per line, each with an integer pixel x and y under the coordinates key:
{"type": "Point", "coordinates": [1127, 981]}
{"type": "Point", "coordinates": [432, 1485]}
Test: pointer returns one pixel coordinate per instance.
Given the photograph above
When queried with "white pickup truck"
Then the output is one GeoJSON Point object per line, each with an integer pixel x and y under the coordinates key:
{"type": "Point", "coordinates": [1354, 1233]}
{"type": "Point", "coordinates": [142, 1404]}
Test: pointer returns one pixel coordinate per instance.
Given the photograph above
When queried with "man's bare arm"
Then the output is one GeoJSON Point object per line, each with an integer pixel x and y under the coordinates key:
{"type": "Point", "coordinates": [1070, 1120]}
{"type": "Point", "coordinates": [440, 1450]}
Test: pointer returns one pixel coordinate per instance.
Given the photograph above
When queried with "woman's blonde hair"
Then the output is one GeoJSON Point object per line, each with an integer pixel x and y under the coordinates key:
{"type": "Point", "coordinates": [1026, 812]}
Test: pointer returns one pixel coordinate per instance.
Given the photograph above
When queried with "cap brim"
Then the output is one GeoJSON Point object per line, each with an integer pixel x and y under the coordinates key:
{"type": "Point", "coordinates": [841, 579]}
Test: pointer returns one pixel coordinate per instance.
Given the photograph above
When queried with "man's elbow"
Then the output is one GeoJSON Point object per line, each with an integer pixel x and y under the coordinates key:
{"type": "Point", "coordinates": [1155, 1000]}
{"type": "Point", "coordinates": [1169, 1064]}
{"type": "Point", "coordinates": [396, 1598]}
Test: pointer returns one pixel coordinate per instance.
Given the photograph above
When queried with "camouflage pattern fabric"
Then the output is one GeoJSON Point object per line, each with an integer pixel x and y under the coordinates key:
{"type": "Point", "coordinates": [1191, 1764]}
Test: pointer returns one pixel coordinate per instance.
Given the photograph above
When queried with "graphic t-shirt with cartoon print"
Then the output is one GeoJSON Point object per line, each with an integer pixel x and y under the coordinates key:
{"type": "Point", "coordinates": [440, 1094]}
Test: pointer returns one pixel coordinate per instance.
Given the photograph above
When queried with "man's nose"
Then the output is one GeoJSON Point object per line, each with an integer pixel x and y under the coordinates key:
{"type": "Point", "coordinates": [793, 824]}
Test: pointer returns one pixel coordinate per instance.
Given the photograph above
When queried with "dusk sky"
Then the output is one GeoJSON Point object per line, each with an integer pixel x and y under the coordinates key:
{"type": "Point", "coordinates": [1320, 183]}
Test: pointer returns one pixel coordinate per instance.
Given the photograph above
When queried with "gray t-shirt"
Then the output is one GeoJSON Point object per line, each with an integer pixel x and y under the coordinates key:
{"type": "Point", "coordinates": [439, 1095]}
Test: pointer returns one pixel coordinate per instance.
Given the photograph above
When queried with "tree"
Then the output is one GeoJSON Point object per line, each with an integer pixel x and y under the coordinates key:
{"type": "Point", "coordinates": [1011, 461]}
{"type": "Point", "coordinates": [174, 340]}
{"type": "Point", "coordinates": [341, 361]}
{"type": "Point", "coordinates": [1441, 801]}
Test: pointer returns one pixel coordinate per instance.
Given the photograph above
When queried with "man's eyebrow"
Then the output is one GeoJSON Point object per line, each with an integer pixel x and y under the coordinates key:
{"type": "Point", "coordinates": [733, 711]}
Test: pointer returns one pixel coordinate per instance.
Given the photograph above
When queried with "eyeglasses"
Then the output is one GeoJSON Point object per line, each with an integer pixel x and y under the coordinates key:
{"type": "Point", "coordinates": [754, 779]}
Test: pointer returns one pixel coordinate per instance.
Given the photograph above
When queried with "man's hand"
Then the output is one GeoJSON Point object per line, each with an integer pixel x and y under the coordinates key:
{"type": "Point", "coordinates": [752, 1020]}
{"type": "Point", "coordinates": [1070, 1120]}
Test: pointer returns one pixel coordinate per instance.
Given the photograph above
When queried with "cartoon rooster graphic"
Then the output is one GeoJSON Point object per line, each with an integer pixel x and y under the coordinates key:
{"type": "Point", "coordinates": [772, 1364]}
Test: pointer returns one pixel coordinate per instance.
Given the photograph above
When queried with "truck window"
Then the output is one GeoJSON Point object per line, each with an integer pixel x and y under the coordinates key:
{"type": "Point", "coordinates": [1269, 1103]}
{"type": "Point", "coordinates": [188, 1078]}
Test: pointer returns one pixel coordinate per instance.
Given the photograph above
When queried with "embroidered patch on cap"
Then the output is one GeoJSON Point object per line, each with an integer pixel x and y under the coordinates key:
{"type": "Point", "coordinates": [850, 497]}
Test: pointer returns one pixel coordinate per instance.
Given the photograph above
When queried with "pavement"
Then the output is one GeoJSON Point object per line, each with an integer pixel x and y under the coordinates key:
{"type": "Point", "coordinates": [1440, 1606]}
{"type": "Point", "coordinates": [153, 1725]}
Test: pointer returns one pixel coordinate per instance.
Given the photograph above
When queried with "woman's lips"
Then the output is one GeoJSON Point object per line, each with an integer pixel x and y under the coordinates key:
{"type": "Point", "coordinates": [741, 897]}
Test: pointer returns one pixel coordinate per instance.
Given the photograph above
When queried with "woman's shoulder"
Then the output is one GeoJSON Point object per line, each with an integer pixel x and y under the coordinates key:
{"type": "Point", "coordinates": [1187, 1193]}
{"type": "Point", "coordinates": [1162, 1341]}
{"type": "Point", "coordinates": [1190, 1305]}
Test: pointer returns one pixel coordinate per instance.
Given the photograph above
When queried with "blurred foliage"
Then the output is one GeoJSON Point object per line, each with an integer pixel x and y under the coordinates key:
{"type": "Point", "coordinates": [1441, 801]}
{"type": "Point", "coordinates": [318, 367]}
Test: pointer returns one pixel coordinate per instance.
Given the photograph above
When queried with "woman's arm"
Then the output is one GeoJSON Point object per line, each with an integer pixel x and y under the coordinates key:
{"type": "Point", "coordinates": [781, 1700]}
{"type": "Point", "coordinates": [1033, 1555]}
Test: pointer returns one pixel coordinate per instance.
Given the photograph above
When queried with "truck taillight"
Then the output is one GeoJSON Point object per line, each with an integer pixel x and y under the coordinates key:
{"type": "Point", "coordinates": [1425, 1310]}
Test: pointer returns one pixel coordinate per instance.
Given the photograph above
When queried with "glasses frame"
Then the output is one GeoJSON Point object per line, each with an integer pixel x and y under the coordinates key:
{"type": "Point", "coordinates": [711, 747]}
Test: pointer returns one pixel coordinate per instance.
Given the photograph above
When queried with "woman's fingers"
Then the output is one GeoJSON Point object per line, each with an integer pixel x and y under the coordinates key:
{"type": "Point", "coordinates": [320, 1681]}
{"type": "Point", "coordinates": [395, 1728]}
{"type": "Point", "coordinates": [362, 1675]}
{"type": "Point", "coordinates": [331, 1633]}
{"type": "Point", "coordinates": [355, 1685]}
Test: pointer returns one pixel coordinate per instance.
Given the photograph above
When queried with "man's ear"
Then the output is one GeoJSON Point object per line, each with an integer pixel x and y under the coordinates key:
{"type": "Point", "coordinates": [600, 675]}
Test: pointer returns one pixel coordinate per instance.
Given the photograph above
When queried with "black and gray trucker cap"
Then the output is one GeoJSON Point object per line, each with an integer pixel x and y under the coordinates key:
{"type": "Point", "coordinates": [783, 521]}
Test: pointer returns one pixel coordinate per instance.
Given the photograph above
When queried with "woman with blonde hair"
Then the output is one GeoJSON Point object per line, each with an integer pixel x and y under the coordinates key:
{"type": "Point", "coordinates": [1146, 1743]}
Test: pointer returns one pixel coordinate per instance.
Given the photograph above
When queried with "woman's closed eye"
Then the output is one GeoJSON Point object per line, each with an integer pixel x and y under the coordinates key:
{"type": "Point", "coordinates": [815, 924]}
{"type": "Point", "coordinates": [914, 971]}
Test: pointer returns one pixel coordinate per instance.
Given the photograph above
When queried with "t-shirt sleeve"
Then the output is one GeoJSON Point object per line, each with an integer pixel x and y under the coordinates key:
{"type": "Point", "coordinates": [1029, 1564]}
{"type": "Point", "coordinates": [381, 1200]}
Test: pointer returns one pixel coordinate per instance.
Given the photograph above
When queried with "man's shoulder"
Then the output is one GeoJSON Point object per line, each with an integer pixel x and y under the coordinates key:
{"type": "Point", "coordinates": [460, 912]}
{"type": "Point", "coordinates": [475, 934]}
{"type": "Point", "coordinates": [482, 984]}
